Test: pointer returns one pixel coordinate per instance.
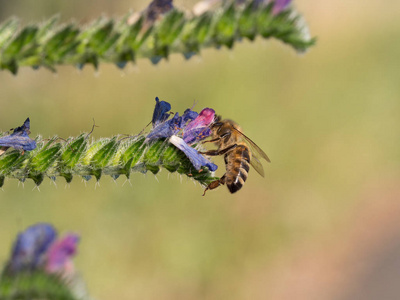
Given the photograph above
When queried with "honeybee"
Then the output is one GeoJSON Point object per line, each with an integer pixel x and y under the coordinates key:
{"type": "Point", "coordinates": [239, 153]}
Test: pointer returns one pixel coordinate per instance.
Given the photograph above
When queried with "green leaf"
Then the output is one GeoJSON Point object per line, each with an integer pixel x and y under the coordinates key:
{"type": "Point", "coordinates": [45, 157]}
{"type": "Point", "coordinates": [132, 155]}
{"type": "Point", "coordinates": [7, 30]}
{"type": "Point", "coordinates": [247, 24]}
{"type": "Point", "coordinates": [74, 151]}
{"type": "Point", "coordinates": [152, 157]}
{"type": "Point", "coordinates": [172, 158]}
{"type": "Point", "coordinates": [103, 156]}
{"type": "Point", "coordinates": [22, 44]}
{"type": "Point", "coordinates": [170, 27]}
{"type": "Point", "coordinates": [12, 160]}
{"type": "Point", "coordinates": [47, 28]}
{"type": "Point", "coordinates": [61, 43]}
{"type": "Point", "coordinates": [225, 27]}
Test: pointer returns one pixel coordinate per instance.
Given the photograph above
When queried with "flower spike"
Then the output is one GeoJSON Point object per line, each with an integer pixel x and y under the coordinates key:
{"type": "Point", "coordinates": [155, 33]}
{"type": "Point", "coordinates": [40, 266]}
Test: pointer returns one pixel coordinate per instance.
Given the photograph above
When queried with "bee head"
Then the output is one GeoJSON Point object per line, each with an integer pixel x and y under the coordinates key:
{"type": "Point", "coordinates": [217, 122]}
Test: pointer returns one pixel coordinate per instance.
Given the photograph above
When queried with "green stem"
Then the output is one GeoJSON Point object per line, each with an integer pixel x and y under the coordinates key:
{"type": "Point", "coordinates": [116, 41]}
{"type": "Point", "coordinates": [34, 285]}
{"type": "Point", "coordinates": [109, 156]}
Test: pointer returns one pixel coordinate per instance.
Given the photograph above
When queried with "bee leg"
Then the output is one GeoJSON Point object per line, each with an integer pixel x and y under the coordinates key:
{"type": "Point", "coordinates": [219, 152]}
{"type": "Point", "coordinates": [223, 136]}
{"type": "Point", "coordinates": [211, 141]}
{"type": "Point", "coordinates": [214, 184]}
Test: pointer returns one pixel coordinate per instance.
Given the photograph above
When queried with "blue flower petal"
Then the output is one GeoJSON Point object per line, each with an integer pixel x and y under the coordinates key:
{"type": "Point", "coordinates": [18, 142]}
{"type": "Point", "coordinates": [195, 157]}
{"type": "Point", "coordinates": [19, 139]}
{"type": "Point", "coordinates": [161, 110]}
{"type": "Point", "coordinates": [22, 130]}
{"type": "Point", "coordinates": [189, 115]}
{"type": "Point", "coordinates": [30, 246]}
{"type": "Point", "coordinates": [165, 129]}
{"type": "Point", "coordinates": [158, 7]}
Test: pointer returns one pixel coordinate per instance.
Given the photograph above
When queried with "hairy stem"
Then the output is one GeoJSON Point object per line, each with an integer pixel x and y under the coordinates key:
{"type": "Point", "coordinates": [34, 285]}
{"type": "Point", "coordinates": [117, 41]}
{"type": "Point", "coordinates": [109, 156]}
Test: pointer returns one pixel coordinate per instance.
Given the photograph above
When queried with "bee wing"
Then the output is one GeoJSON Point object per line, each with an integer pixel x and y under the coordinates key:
{"type": "Point", "coordinates": [256, 164]}
{"type": "Point", "coordinates": [256, 154]}
{"type": "Point", "coordinates": [256, 150]}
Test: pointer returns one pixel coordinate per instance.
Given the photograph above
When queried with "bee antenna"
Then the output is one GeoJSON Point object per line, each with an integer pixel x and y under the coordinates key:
{"type": "Point", "coordinates": [194, 104]}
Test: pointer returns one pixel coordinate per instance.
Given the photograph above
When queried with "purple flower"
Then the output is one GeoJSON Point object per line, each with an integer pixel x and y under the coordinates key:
{"type": "Point", "coordinates": [58, 258]}
{"type": "Point", "coordinates": [181, 122]}
{"type": "Point", "coordinates": [30, 246]}
{"type": "Point", "coordinates": [189, 115]}
{"type": "Point", "coordinates": [157, 8]}
{"type": "Point", "coordinates": [19, 139]}
{"type": "Point", "coordinates": [195, 157]}
{"type": "Point", "coordinates": [38, 249]}
{"type": "Point", "coordinates": [160, 113]}
{"type": "Point", "coordinates": [198, 129]}
{"type": "Point", "coordinates": [164, 129]}
{"type": "Point", "coordinates": [193, 127]}
{"type": "Point", "coordinates": [23, 130]}
{"type": "Point", "coordinates": [279, 6]}
{"type": "Point", "coordinates": [172, 126]}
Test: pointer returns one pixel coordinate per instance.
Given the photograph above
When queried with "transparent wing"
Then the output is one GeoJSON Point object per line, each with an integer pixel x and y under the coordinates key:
{"type": "Point", "coordinates": [256, 150]}
{"type": "Point", "coordinates": [256, 154]}
{"type": "Point", "coordinates": [256, 164]}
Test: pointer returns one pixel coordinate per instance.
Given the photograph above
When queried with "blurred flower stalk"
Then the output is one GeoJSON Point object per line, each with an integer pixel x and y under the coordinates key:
{"type": "Point", "coordinates": [154, 33]}
{"type": "Point", "coordinates": [40, 266]}
{"type": "Point", "coordinates": [171, 144]}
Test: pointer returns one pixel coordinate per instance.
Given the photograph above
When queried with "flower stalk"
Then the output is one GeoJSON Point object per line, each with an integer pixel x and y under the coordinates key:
{"type": "Point", "coordinates": [41, 266]}
{"type": "Point", "coordinates": [34, 285]}
{"type": "Point", "coordinates": [79, 156]}
{"type": "Point", "coordinates": [127, 39]}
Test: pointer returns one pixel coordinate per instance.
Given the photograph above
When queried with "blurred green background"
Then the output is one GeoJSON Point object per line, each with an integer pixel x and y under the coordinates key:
{"type": "Point", "coordinates": [316, 227]}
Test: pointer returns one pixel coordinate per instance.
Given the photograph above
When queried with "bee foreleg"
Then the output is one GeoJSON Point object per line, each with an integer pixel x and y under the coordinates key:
{"type": "Point", "coordinates": [218, 152]}
{"type": "Point", "coordinates": [212, 141]}
{"type": "Point", "coordinates": [214, 184]}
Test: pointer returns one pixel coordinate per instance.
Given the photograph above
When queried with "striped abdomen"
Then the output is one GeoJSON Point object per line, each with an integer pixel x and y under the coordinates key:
{"type": "Point", "coordinates": [237, 167]}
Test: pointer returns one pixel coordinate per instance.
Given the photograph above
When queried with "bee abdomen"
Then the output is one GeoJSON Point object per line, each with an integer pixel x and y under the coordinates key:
{"type": "Point", "coordinates": [237, 170]}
